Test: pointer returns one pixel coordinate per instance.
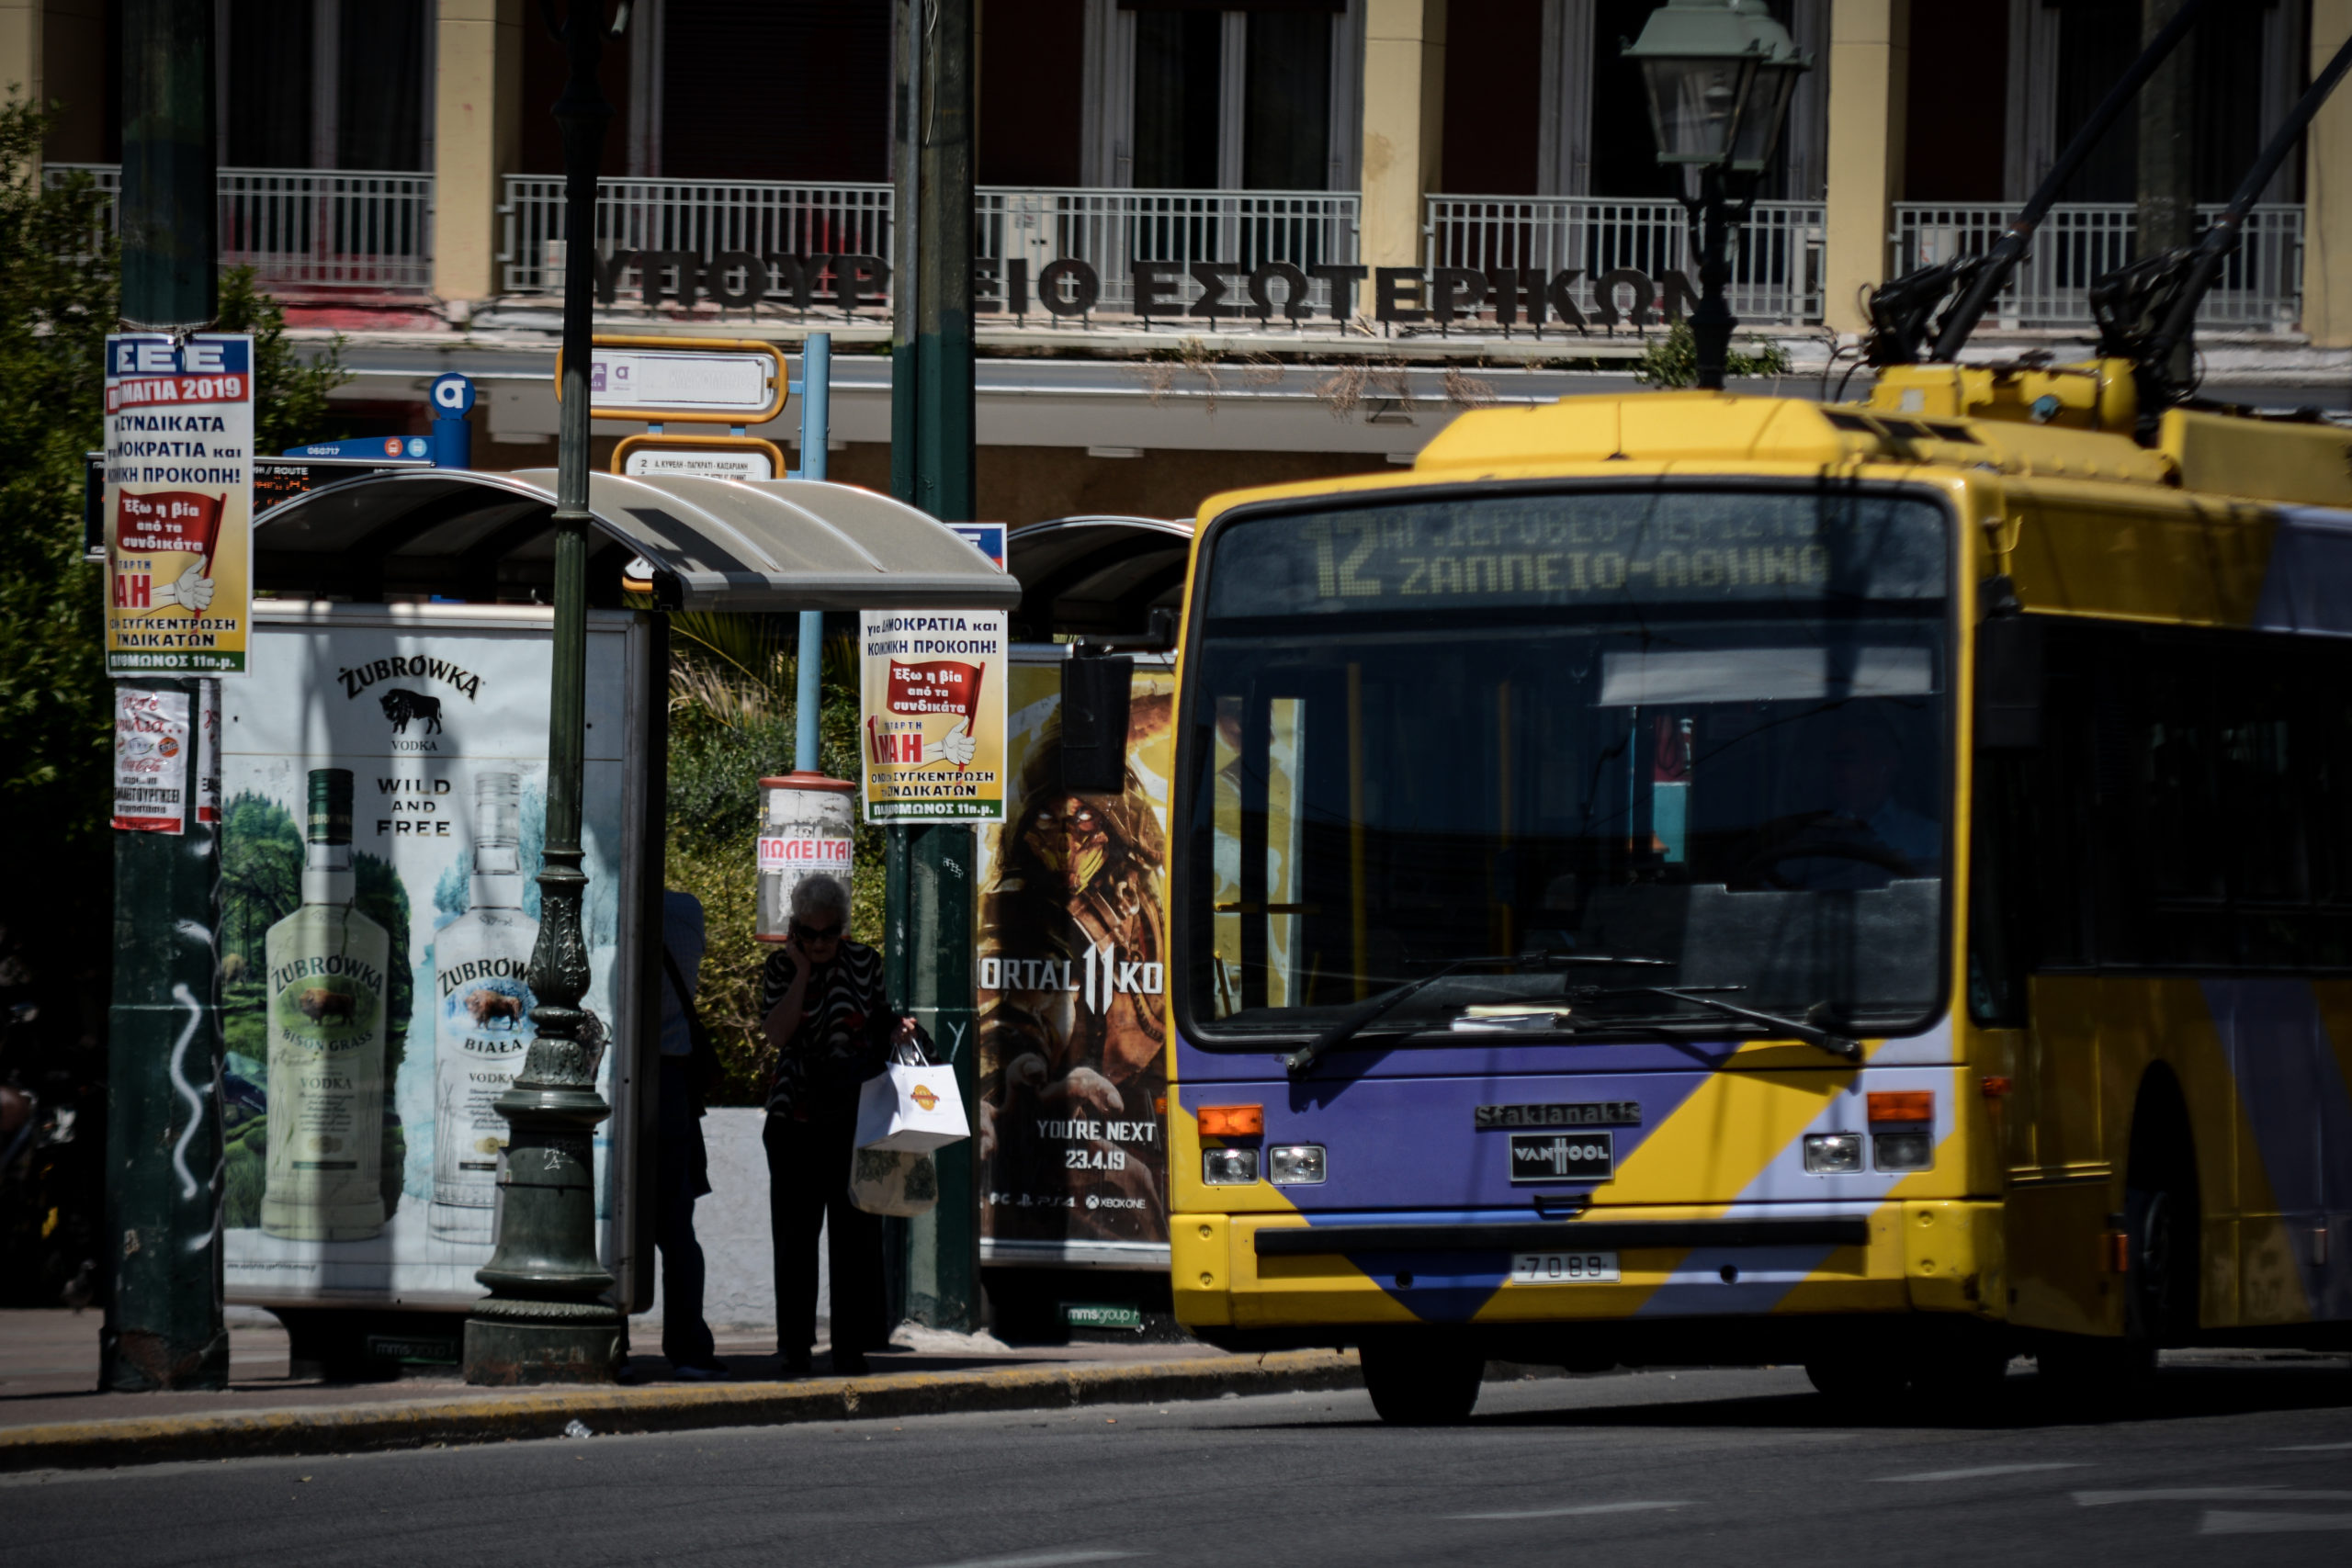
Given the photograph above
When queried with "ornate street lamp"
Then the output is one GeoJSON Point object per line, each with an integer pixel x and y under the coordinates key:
{"type": "Point", "coordinates": [1719, 74]}
{"type": "Point", "coordinates": [546, 1319]}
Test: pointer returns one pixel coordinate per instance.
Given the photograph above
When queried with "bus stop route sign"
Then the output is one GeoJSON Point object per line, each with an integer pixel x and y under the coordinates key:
{"type": "Point", "coordinates": [737, 381]}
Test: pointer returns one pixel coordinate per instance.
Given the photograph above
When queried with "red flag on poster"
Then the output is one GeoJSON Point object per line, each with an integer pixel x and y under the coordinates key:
{"type": "Point", "coordinates": [171, 521]}
{"type": "Point", "coordinates": [935, 686]}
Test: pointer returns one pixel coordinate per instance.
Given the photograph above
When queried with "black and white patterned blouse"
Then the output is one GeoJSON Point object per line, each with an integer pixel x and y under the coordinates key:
{"type": "Point", "coordinates": [844, 1030]}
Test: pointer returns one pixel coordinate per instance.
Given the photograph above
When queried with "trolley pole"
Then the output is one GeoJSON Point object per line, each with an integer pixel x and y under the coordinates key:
{"type": "Point", "coordinates": [931, 869]}
{"type": "Point", "coordinates": [545, 1319]}
{"type": "Point", "coordinates": [164, 1327]}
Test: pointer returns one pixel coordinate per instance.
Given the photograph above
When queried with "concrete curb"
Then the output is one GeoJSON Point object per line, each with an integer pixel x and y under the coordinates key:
{"type": "Point", "coordinates": [509, 1418]}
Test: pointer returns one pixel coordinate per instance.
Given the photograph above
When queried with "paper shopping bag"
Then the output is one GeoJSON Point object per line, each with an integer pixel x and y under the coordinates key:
{"type": "Point", "coordinates": [893, 1182]}
{"type": "Point", "coordinates": [911, 1107]}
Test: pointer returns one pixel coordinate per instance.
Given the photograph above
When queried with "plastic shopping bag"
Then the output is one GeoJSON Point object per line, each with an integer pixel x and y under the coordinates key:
{"type": "Point", "coordinates": [912, 1107]}
{"type": "Point", "coordinates": [893, 1182]}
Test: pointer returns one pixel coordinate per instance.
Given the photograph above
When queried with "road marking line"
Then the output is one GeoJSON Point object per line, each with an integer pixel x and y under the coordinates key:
{"type": "Point", "coordinates": [2211, 1494]}
{"type": "Point", "coordinates": [2220, 1521]}
{"type": "Point", "coordinates": [1041, 1560]}
{"type": "Point", "coordinates": [2312, 1449]}
{"type": "Point", "coordinates": [1985, 1470]}
{"type": "Point", "coordinates": [1565, 1512]}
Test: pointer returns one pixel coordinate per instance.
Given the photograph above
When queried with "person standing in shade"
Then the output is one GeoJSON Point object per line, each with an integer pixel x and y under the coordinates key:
{"type": "Point", "coordinates": [682, 1166]}
{"type": "Point", "coordinates": [831, 1026]}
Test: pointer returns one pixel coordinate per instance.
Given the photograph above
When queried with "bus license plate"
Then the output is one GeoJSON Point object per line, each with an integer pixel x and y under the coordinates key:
{"type": "Point", "coordinates": [1562, 1268]}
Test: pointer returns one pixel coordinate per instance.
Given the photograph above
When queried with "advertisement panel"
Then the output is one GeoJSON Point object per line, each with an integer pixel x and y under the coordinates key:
{"type": "Point", "coordinates": [1072, 976]}
{"type": "Point", "coordinates": [932, 702]}
{"type": "Point", "coordinates": [385, 803]}
{"type": "Point", "coordinates": [179, 504]}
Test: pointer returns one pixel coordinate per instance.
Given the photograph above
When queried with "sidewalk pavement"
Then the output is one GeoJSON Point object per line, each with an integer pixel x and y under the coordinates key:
{"type": "Point", "coordinates": [51, 1418]}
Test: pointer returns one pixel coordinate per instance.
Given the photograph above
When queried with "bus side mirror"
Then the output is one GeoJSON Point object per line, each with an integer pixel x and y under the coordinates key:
{"type": "Point", "coordinates": [1094, 721]}
{"type": "Point", "coordinates": [2009, 684]}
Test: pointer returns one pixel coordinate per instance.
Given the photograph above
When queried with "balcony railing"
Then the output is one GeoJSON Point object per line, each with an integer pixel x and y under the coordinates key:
{"type": "Point", "coordinates": [305, 230]}
{"type": "Point", "coordinates": [784, 226]}
{"type": "Point", "coordinates": [1776, 256]}
{"type": "Point", "coordinates": [2260, 290]}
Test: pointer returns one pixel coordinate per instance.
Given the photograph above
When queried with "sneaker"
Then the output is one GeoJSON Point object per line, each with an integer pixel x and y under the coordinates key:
{"type": "Point", "coordinates": [711, 1373]}
{"type": "Point", "coordinates": [796, 1365]}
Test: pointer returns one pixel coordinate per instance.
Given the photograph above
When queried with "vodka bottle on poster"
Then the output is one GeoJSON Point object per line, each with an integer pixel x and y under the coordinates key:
{"type": "Point", "coordinates": [482, 1025]}
{"type": "Point", "coordinates": [327, 1000]}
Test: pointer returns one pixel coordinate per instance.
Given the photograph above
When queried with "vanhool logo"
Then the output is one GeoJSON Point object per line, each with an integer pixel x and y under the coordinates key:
{"type": "Point", "coordinates": [1538, 1157]}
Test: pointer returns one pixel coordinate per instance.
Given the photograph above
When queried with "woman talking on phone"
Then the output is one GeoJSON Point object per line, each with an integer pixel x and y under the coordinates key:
{"type": "Point", "coordinates": [831, 1026]}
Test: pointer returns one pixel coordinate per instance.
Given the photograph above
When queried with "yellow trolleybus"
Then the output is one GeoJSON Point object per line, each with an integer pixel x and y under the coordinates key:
{"type": "Point", "coordinates": [1690, 876]}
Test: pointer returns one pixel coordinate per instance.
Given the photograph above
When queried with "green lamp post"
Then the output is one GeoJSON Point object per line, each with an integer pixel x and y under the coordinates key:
{"type": "Point", "coordinates": [1719, 75]}
{"type": "Point", "coordinates": [546, 1318]}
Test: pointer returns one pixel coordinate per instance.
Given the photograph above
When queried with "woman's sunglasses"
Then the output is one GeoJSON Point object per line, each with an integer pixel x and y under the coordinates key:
{"type": "Point", "coordinates": [815, 934]}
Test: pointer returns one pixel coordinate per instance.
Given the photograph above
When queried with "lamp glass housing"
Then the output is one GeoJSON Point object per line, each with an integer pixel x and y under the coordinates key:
{"type": "Point", "coordinates": [1696, 104]}
{"type": "Point", "coordinates": [1763, 113]}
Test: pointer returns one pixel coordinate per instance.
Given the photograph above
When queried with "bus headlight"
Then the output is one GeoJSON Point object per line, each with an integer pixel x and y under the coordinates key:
{"type": "Point", "coordinates": [1902, 1151]}
{"type": "Point", "coordinates": [1833, 1154]}
{"type": "Point", "coordinates": [1228, 1168]}
{"type": "Point", "coordinates": [1294, 1165]}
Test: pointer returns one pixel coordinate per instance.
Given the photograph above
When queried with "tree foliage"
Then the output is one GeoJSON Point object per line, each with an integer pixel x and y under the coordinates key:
{"type": "Point", "coordinates": [732, 686]}
{"type": "Point", "coordinates": [1673, 360]}
{"type": "Point", "coordinates": [60, 278]}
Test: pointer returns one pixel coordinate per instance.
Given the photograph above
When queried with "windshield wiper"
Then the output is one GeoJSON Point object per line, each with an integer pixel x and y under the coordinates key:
{"type": "Point", "coordinates": [1368, 1014]}
{"type": "Point", "coordinates": [1810, 1029]}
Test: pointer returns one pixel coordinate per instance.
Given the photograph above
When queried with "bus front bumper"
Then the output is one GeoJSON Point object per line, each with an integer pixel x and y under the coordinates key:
{"type": "Point", "coordinates": [1278, 1272]}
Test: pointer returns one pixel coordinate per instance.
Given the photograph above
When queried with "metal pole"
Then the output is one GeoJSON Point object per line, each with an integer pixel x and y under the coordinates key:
{"type": "Point", "coordinates": [165, 1326]}
{"type": "Point", "coordinates": [544, 1320]}
{"type": "Point", "coordinates": [1711, 322]}
{"type": "Point", "coordinates": [2175, 332]}
{"type": "Point", "coordinates": [2001, 261]}
{"type": "Point", "coordinates": [931, 874]}
{"type": "Point", "coordinates": [816, 425]}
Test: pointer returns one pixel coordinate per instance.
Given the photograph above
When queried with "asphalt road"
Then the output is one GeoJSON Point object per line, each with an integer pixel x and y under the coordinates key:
{"type": "Point", "coordinates": [2237, 1461]}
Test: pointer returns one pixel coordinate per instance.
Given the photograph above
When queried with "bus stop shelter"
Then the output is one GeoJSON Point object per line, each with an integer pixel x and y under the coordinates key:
{"type": "Point", "coordinates": [384, 591]}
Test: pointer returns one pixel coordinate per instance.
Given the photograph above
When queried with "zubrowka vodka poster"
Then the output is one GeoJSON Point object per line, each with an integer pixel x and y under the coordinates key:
{"type": "Point", "coordinates": [384, 801]}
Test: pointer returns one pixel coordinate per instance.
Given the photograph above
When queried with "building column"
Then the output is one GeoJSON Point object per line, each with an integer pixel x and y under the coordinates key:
{"type": "Point", "coordinates": [477, 138]}
{"type": "Point", "coordinates": [1870, 57]}
{"type": "Point", "coordinates": [1403, 119]}
{"type": "Point", "coordinates": [2327, 192]}
{"type": "Point", "coordinates": [20, 77]}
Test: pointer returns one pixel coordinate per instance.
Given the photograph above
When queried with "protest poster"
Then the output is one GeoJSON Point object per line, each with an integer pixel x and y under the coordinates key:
{"type": "Point", "coordinates": [177, 509]}
{"type": "Point", "coordinates": [933, 715]}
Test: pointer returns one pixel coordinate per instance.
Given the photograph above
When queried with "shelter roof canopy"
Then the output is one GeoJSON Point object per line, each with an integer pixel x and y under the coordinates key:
{"type": "Point", "coordinates": [715, 544]}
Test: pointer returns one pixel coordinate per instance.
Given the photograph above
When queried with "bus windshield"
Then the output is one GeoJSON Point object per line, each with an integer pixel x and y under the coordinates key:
{"type": "Point", "coordinates": [1705, 727]}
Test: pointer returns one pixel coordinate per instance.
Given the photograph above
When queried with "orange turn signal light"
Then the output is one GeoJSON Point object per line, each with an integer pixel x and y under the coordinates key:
{"type": "Point", "coordinates": [1233, 1121]}
{"type": "Point", "coordinates": [1903, 1105]}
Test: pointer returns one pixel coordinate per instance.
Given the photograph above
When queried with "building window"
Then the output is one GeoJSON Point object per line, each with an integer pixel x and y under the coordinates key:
{"type": "Point", "coordinates": [1180, 57]}
{"type": "Point", "coordinates": [1287, 113]}
{"type": "Point", "coordinates": [1194, 97]}
{"type": "Point", "coordinates": [325, 84]}
{"type": "Point", "coordinates": [775, 90]}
